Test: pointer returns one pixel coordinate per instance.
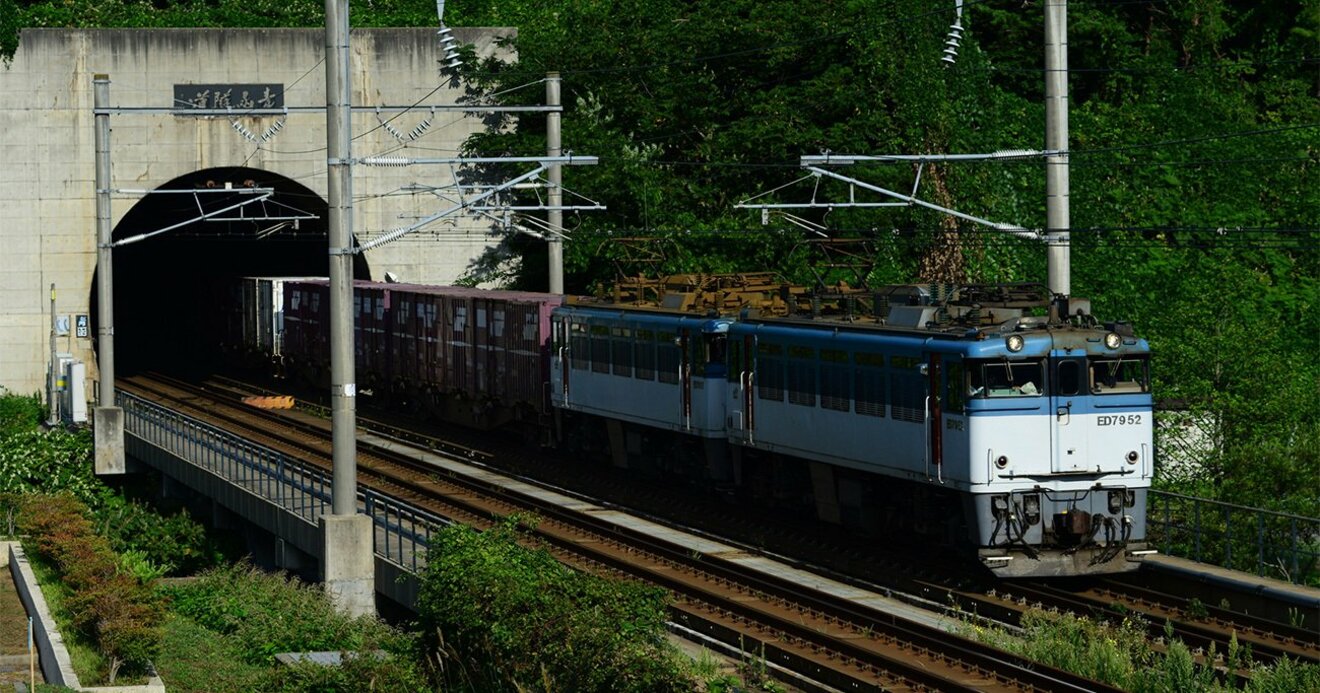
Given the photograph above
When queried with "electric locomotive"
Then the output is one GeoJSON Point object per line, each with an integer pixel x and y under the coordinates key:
{"type": "Point", "coordinates": [997, 418]}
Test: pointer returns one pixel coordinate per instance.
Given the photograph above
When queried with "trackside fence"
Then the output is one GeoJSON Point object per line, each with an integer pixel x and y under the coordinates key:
{"type": "Point", "coordinates": [1267, 543]}
{"type": "Point", "coordinates": [402, 532]}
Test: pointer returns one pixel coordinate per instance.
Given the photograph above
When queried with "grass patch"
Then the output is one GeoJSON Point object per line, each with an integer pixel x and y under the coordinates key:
{"type": "Point", "coordinates": [193, 658]}
{"type": "Point", "coordinates": [227, 625]}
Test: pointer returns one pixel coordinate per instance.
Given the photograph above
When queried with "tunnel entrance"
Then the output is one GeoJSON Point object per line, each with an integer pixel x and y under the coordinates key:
{"type": "Point", "coordinates": [166, 287]}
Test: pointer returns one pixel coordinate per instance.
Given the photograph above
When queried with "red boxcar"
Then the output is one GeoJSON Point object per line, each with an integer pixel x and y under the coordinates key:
{"type": "Point", "coordinates": [487, 346]}
{"type": "Point", "coordinates": [306, 326]}
{"type": "Point", "coordinates": [307, 333]}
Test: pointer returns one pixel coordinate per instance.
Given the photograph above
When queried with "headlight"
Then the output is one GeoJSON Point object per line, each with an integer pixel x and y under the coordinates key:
{"type": "Point", "coordinates": [1002, 461]}
{"type": "Point", "coordinates": [1015, 342]}
{"type": "Point", "coordinates": [1132, 457]}
{"type": "Point", "coordinates": [1113, 341]}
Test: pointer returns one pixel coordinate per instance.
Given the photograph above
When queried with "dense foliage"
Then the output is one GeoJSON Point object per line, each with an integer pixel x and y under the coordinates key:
{"type": "Point", "coordinates": [1194, 123]}
{"type": "Point", "coordinates": [533, 623]}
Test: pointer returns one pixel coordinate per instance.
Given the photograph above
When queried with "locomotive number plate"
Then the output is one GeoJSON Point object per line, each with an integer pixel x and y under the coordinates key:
{"type": "Point", "coordinates": [1119, 420]}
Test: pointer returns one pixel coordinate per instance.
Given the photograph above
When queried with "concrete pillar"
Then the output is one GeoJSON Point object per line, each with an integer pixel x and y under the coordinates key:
{"type": "Point", "coordinates": [108, 424]}
{"type": "Point", "coordinates": [348, 561]}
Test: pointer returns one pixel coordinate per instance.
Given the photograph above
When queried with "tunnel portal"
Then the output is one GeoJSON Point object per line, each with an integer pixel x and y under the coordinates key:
{"type": "Point", "coordinates": [167, 287]}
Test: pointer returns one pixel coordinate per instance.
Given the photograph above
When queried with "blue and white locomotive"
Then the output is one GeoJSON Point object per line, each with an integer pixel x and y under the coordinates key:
{"type": "Point", "coordinates": [993, 417]}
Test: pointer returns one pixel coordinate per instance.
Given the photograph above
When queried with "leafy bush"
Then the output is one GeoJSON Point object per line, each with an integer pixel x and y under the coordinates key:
{"type": "Point", "coordinates": [534, 623]}
{"type": "Point", "coordinates": [118, 612]}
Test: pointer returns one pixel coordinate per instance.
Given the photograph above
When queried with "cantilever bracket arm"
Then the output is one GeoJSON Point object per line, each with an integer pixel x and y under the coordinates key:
{"type": "Point", "coordinates": [404, 230]}
{"type": "Point", "coordinates": [259, 197]}
{"type": "Point", "coordinates": [1034, 235]}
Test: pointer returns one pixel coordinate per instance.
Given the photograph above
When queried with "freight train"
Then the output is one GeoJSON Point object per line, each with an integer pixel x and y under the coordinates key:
{"type": "Point", "coordinates": [995, 418]}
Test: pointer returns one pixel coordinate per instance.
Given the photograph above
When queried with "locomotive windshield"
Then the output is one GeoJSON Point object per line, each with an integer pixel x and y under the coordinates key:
{"type": "Point", "coordinates": [1004, 378]}
{"type": "Point", "coordinates": [1115, 376]}
{"type": "Point", "coordinates": [716, 347]}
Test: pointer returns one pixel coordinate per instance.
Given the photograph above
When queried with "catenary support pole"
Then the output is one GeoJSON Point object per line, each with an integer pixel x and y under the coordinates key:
{"type": "Point", "coordinates": [105, 285]}
{"type": "Point", "coordinates": [1058, 254]}
{"type": "Point", "coordinates": [107, 419]}
{"type": "Point", "coordinates": [348, 556]}
{"type": "Point", "coordinates": [343, 391]}
{"type": "Point", "coordinates": [555, 175]}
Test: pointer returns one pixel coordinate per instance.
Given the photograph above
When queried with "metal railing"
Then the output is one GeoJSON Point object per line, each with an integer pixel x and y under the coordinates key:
{"type": "Point", "coordinates": [1264, 542]}
{"type": "Point", "coordinates": [402, 532]}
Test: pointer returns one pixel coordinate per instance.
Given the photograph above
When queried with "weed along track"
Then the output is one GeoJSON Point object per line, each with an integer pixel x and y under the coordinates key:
{"type": "Point", "coordinates": [813, 630]}
{"type": "Point", "coordinates": [1196, 624]}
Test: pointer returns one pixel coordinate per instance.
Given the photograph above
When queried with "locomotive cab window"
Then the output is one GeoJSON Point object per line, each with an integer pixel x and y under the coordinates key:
{"type": "Point", "coordinates": [1068, 377]}
{"type": "Point", "coordinates": [578, 346]}
{"type": "Point", "coordinates": [1005, 378]}
{"type": "Point", "coordinates": [716, 348]}
{"type": "Point", "coordinates": [1116, 376]}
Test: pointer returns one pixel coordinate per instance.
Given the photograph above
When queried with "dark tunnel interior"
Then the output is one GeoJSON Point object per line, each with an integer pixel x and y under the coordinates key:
{"type": "Point", "coordinates": [167, 287]}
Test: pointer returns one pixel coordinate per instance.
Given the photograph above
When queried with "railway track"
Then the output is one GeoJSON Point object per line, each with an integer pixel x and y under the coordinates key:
{"type": "Point", "coordinates": [832, 635]}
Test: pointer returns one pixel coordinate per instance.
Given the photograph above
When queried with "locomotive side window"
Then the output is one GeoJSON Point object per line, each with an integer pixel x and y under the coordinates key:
{"type": "Point", "coordinates": [802, 376]}
{"type": "Point", "coordinates": [908, 397]}
{"type": "Point", "coordinates": [623, 348]}
{"type": "Point", "coordinates": [668, 357]}
{"type": "Point", "coordinates": [834, 379]}
{"type": "Point", "coordinates": [870, 373]}
{"type": "Point", "coordinates": [770, 371]}
{"type": "Point", "coordinates": [1120, 376]}
{"type": "Point", "coordinates": [644, 349]}
{"type": "Point", "coordinates": [1005, 379]}
{"type": "Point", "coordinates": [600, 349]}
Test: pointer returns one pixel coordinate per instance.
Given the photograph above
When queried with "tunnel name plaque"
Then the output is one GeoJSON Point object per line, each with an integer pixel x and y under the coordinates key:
{"type": "Point", "coordinates": [197, 97]}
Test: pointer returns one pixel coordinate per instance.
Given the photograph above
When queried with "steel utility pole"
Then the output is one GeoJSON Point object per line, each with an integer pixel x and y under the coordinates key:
{"type": "Point", "coordinates": [554, 174]}
{"type": "Point", "coordinates": [107, 419]}
{"type": "Point", "coordinates": [348, 555]}
{"type": "Point", "coordinates": [1057, 224]}
{"type": "Point", "coordinates": [105, 285]}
